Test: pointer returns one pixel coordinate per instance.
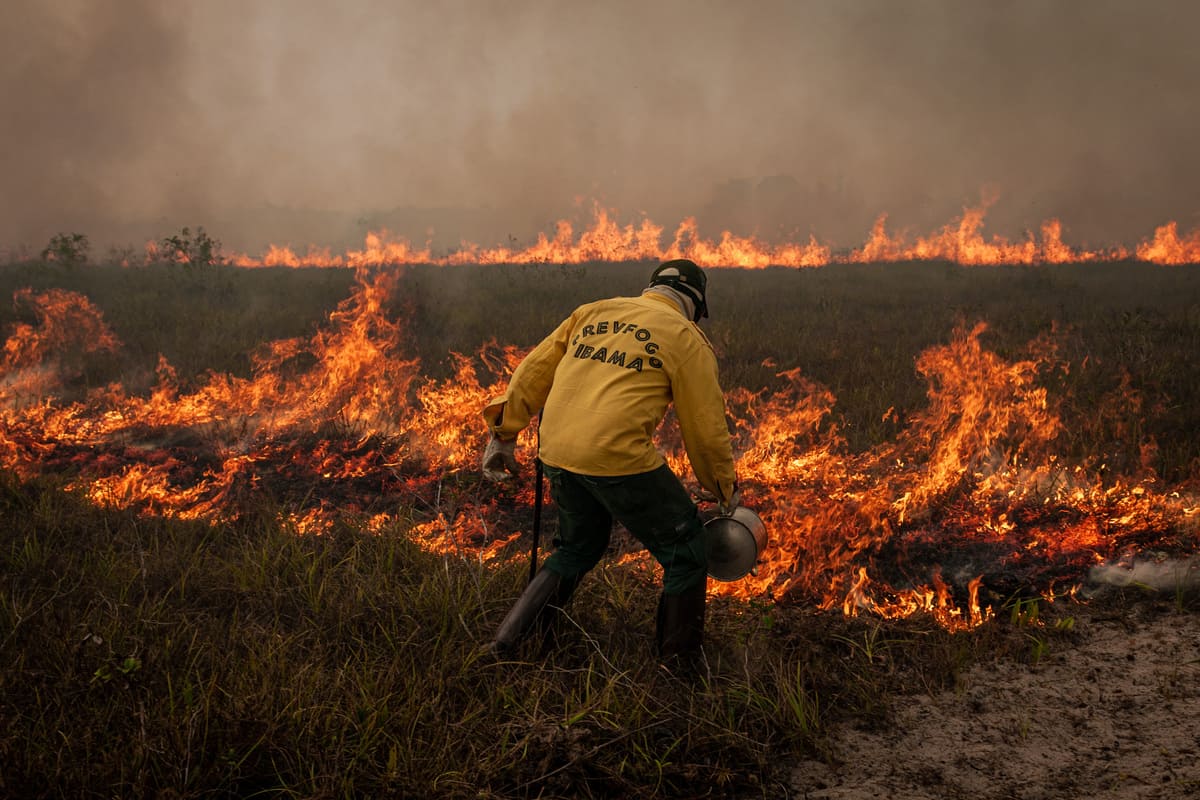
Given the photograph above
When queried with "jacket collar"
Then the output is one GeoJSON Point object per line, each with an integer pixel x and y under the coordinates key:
{"type": "Point", "coordinates": [682, 302]}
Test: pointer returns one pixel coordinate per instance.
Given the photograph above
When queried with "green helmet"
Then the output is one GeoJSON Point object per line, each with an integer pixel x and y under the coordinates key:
{"type": "Point", "coordinates": [684, 276]}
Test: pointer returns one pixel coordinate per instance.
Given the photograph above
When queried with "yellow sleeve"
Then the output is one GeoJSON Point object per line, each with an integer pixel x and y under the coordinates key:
{"type": "Point", "coordinates": [700, 408]}
{"type": "Point", "coordinates": [529, 386]}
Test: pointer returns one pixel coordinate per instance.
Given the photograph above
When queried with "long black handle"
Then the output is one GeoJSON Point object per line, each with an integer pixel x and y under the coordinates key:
{"type": "Point", "coordinates": [537, 518]}
{"type": "Point", "coordinates": [537, 497]}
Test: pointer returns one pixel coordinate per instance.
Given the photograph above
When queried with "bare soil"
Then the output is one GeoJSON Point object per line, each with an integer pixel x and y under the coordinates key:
{"type": "Point", "coordinates": [1111, 712]}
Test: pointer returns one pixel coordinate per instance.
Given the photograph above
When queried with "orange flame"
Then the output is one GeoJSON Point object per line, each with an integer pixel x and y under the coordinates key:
{"type": "Point", "coordinates": [961, 241]}
{"type": "Point", "coordinates": [1168, 247]}
{"type": "Point", "coordinates": [344, 425]}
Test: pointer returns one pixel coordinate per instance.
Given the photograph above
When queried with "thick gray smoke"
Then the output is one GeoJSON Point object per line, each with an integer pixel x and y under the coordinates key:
{"type": "Point", "coordinates": [305, 121]}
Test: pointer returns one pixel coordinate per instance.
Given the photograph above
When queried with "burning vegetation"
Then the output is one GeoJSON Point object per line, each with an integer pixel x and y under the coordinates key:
{"type": "Point", "coordinates": [980, 495]}
{"type": "Point", "coordinates": [604, 239]}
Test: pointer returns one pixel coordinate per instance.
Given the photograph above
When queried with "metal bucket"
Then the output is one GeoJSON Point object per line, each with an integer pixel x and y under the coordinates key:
{"type": "Point", "coordinates": [733, 543]}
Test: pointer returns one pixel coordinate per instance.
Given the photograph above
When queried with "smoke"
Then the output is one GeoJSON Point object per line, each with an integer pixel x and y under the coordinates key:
{"type": "Point", "coordinates": [1165, 576]}
{"type": "Point", "coordinates": [97, 119]}
{"type": "Point", "coordinates": [301, 121]}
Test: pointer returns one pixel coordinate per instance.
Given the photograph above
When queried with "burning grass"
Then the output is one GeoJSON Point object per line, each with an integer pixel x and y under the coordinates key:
{"type": "Point", "coordinates": [348, 422]}
{"type": "Point", "coordinates": [274, 557]}
{"type": "Point", "coordinates": [604, 239]}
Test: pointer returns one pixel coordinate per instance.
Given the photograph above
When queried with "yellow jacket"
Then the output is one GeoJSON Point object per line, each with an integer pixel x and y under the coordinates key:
{"type": "Point", "coordinates": [603, 380]}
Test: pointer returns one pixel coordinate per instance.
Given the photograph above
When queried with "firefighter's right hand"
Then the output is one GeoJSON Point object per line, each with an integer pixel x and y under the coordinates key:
{"type": "Point", "coordinates": [500, 460]}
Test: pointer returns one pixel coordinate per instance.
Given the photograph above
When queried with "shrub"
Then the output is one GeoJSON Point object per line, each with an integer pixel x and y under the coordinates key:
{"type": "Point", "coordinates": [192, 249]}
{"type": "Point", "coordinates": [70, 249]}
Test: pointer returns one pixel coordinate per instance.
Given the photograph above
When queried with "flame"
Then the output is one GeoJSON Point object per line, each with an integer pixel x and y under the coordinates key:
{"type": "Point", "coordinates": [344, 425]}
{"type": "Point", "coordinates": [40, 357]}
{"type": "Point", "coordinates": [1168, 248]}
{"type": "Point", "coordinates": [960, 241]}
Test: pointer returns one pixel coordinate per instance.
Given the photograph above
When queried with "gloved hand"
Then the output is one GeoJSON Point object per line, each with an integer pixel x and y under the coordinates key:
{"type": "Point", "coordinates": [730, 505]}
{"type": "Point", "coordinates": [499, 460]}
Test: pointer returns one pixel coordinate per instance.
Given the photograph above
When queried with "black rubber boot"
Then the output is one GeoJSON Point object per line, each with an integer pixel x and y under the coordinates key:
{"type": "Point", "coordinates": [529, 607]}
{"type": "Point", "coordinates": [680, 628]}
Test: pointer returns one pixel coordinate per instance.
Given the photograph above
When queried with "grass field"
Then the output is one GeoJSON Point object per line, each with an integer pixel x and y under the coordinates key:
{"type": "Point", "coordinates": [147, 656]}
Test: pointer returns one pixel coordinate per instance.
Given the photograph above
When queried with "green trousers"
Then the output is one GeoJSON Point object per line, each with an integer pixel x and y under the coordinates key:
{"type": "Point", "coordinates": [653, 506]}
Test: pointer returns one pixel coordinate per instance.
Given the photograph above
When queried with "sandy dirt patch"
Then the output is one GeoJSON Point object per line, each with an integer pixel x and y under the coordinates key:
{"type": "Point", "coordinates": [1112, 713]}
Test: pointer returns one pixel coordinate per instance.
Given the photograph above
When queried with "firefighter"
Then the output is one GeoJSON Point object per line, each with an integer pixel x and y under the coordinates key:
{"type": "Point", "coordinates": [602, 382]}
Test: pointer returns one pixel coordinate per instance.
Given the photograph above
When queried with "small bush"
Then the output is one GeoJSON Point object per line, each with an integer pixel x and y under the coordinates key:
{"type": "Point", "coordinates": [70, 249]}
{"type": "Point", "coordinates": [192, 249]}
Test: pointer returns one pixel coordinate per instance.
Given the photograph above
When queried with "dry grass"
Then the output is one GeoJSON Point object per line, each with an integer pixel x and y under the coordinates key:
{"type": "Point", "coordinates": [146, 657]}
{"type": "Point", "coordinates": [152, 657]}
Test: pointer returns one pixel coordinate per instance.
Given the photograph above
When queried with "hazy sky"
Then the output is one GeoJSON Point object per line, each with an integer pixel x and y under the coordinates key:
{"type": "Point", "coordinates": [265, 119]}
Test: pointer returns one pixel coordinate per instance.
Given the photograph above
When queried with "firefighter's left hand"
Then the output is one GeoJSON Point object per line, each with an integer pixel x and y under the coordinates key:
{"type": "Point", "coordinates": [499, 460]}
